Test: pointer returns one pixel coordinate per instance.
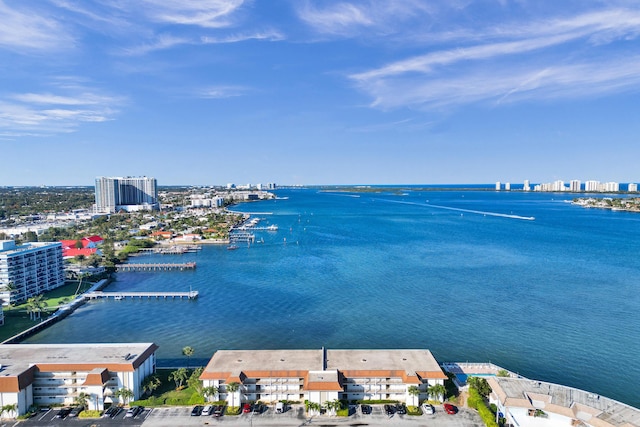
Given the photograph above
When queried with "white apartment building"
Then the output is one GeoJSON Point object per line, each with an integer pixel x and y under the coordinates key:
{"type": "Point", "coordinates": [46, 374]}
{"type": "Point", "coordinates": [575, 185]}
{"type": "Point", "coordinates": [527, 185]}
{"type": "Point", "coordinates": [322, 375]}
{"type": "Point", "coordinates": [126, 193]}
{"type": "Point", "coordinates": [632, 188]}
{"type": "Point", "coordinates": [30, 269]}
{"type": "Point", "coordinates": [591, 185]}
{"type": "Point", "coordinates": [498, 185]}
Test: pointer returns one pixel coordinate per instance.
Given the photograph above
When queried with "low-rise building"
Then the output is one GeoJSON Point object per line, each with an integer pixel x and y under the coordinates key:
{"type": "Point", "coordinates": [48, 374]}
{"type": "Point", "coordinates": [322, 375]}
{"type": "Point", "coordinates": [529, 403]}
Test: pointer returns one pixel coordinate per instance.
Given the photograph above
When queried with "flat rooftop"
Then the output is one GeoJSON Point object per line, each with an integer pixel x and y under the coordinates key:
{"type": "Point", "coordinates": [605, 409]}
{"type": "Point", "coordinates": [378, 360]}
{"type": "Point", "coordinates": [15, 358]}
{"type": "Point", "coordinates": [265, 360]}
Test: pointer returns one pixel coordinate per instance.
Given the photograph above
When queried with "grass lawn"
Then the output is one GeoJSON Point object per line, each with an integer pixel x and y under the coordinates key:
{"type": "Point", "coordinates": [167, 394]}
{"type": "Point", "coordinates": [16, 318]}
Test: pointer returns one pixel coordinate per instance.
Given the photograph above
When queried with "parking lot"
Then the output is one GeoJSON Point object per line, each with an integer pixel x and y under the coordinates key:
{"type": "Point", "coordinates": [296, 416]}
{"type": "Point", "coordinates": [49, 418]}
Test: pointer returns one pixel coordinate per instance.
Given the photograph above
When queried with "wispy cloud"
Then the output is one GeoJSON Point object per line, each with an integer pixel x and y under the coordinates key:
{"type": "Point", "coordinates": [31, 30]}
{"type": "Point", "coordinates": [203, 13]}
{"type": "Point", "coordinates": [515, 62]}
{"type": "Point", "coordinates": [351, 18]}
{"type": "Point", "coordinates": [161, 42]}
{"type": "Point", "coordinates": [269, 35]}
{"type": "Point", "coordinates": [219, 92]}
{"type": "Point", "coordinates": [47, 113]}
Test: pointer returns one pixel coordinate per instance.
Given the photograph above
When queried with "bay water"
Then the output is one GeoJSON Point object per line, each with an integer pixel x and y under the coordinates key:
{"type": "Point", "coordinates": [556, 298]}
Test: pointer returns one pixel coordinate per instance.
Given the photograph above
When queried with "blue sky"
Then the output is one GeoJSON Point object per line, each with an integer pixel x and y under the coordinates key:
{"type": "Point", "coordinates": [319, 92]}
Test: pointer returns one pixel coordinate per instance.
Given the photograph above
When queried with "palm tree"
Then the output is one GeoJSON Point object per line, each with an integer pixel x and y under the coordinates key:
{"type": "Point", "coordinates": [333, 406]}
{"type": "Point", "coordinates": [188, 351]}
{"type": "Point", "coordinates": [231, 388]}
{"type": "Point", "coordinates": [35, 306]}
{"type": "Point", "coordinates": [414, 391]}
{"type": "Point", "coordinates": [180, 375]}
{"type": "Point", "coordinates": [125, 394]}
{"type": "Point", "coordinates": [82, 399]}
{"type": "Point", "coordinates": [9, 408]}
{"type": "Point", "coordinates": [209, 391]}
{"type": "Point", "coordinates": [438, 391]}
{"type": "Point", "coordinates": [151, 383]}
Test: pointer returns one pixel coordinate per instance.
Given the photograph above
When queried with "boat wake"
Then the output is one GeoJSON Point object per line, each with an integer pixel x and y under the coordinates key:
{"type": "Point", "coordinates": [449, 208]}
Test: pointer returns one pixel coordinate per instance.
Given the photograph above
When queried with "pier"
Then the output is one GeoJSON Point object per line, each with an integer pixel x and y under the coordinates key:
{"type": "Point", "coordinates": [242, 237]}
{"type": "Point", "coordinates": [169, 250]}
{"type": "Point", "coordinates": [156, 267]}
{"type": "Point", "coordinates": [157, 295]}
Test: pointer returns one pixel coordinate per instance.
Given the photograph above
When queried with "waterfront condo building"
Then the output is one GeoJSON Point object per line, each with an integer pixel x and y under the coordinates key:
{"type": "Point", "coordinates": [55, 374]}
{"type": "Point", "coordinates": [29, 269]}
{"type": "Point", "coordinates": [126, 193]}
{"type": "Point", "coordinates": [322, 375]}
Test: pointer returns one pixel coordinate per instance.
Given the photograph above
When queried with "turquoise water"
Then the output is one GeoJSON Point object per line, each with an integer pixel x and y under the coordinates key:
{"type": "Point", "coordinates": [555, 299]}
{"type": "Point", "coordinates": [462, 378]}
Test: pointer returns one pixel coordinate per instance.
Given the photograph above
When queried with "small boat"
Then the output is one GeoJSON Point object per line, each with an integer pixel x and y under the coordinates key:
{"type": "Point", "coordinates": [232, 247]}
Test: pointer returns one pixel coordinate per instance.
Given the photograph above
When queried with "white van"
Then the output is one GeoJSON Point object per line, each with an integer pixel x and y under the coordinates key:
{"type": "Point", "coordinates": [280, 407]}
{"type": "Point", "coordinates": [208, 410]}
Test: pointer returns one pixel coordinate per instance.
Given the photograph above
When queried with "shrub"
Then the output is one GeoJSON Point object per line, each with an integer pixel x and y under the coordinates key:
{"type": "Point", "coordinates": [89, 414]}
{"type": "Point", "coordinates": [196, 399]}
{"type": "Point", "coordinates": [414, 410]}
{"type": "Point", "coordinates": [232, 410]}
{"type": "Point", "coordinates": [477, 402]}
{"type": "Point", "coordinates": [376, 402]}
{"type": "Point", "coordinates": [343, 412]}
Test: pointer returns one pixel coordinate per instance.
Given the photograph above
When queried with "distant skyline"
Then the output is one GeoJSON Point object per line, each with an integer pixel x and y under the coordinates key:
{"type": "Point", "coordinates": [319, 92]}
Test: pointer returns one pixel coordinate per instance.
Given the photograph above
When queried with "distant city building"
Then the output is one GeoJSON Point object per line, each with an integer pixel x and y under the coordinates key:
{"type": "Point", "coordinates": [507, 186]}
{"type": "Point", "coordinates": [575, 185]}
{"type": "Point", "coordinates": [126, 193]}
{"type": "Point", "coordinates": [527, 185]}
{"type": "Point", "coordinates": [498, 185]}
{"type": "Point", "coordinates": [591, 186]}
{"type": "Point", "coordinates": [29, 269]}
{"type": "Point", "coordinates": [632, 188]}
{"type": "Point", "coordinates": [611, 187]}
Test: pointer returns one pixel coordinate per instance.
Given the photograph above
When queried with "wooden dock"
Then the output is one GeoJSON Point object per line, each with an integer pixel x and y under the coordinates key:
{"type": "Point", "coordinates": [157, 295]}
{"type": "Point", "coordinates": [156, 267]}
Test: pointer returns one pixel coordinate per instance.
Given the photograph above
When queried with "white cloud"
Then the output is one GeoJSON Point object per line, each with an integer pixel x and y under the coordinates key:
{"type": "Point", "coordinates": [270, 35]}
{"type": "Point", "coordinates": [203, 13]}
{"type": "Point", "coordinates": [546, 59]}
{"type": "Point", "coordinates": [161, 42]}
{"type": "Point", "coordinates": [219, 92]}
{"type": "Point", "coordinates": [31, 30]}
{"type": "Point", "coordinates": [47, 113]}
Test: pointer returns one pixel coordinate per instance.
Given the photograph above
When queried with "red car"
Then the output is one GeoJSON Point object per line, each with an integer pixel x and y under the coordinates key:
{"type": "Point", "coordinates": [246, 408]}
{"type": "Point", "coordinates": [449, 408]}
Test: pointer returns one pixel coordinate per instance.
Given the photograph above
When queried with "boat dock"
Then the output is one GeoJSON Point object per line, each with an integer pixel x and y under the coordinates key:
{"type": "Point", "coordinates": [157, 295]}
{"type": "Point", "coordinates": [242, 237]}
{"type": "Point", "coordinates": [156, 267]}
{"type": "Point", "coordinates": [170, 250]}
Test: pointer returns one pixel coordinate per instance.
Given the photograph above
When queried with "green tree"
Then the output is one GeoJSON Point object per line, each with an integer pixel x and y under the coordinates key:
{"type": "Point", "coordinates": [35, 306]}
{"type": "Point", "coordinates": [125, 394]}
{"type": "Point", "coordinates": [231, 388]}
{"type": "Point", "coordinates": [82, 399]}
{"type": "Point", "coordinates": [9, 409]}
{"type": "Point", "coordinates": [503, 373]}
{"type": "Point", "coordinates": [151, 383]}
{"type": "Point", "coordinates": [480, 384]}
{"type": "Point", "coordinates": [194, 381]}
{"type": "Point", "coordinates": [414, 392]}
{"type": "Point", "coordinates": [188, 351]}
{"type": "Point", "coordinates": [437, 391]}
{"type": "Point", "coordinates": [78, 244]}
{"type": "Point", "coordinates": [179, 376]}
{"type": "Point", "coordinates": [209, 392]}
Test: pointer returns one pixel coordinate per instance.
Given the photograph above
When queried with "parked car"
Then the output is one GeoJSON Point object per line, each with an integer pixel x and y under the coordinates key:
{"type": "Point", "coordinates": [207, 410]}
{"type": "Point", "coordinates": [112, 412]}
{"type": "Point", "coordinates": [428, 409]}
{"type": "Point", "coordinates": [365, 409]}
{"type": "Point", "coordinates": [218, 411]}
{"type": "Point", "coordinates": [389, 409]}
{"type": "Point", "coordinates": [280, 407]}
{"type": "Point", "coordinates": [449, 408]}
{"type": "Point", "coordinates": [401, 409]}
{"type": "Point", "coordinates": [197, 411]}
{"type": "Point", "coordinates": [133, 412]}
{"type": "Point", "coordinates": [258, 408]}
{"type": "Point", "coordinates": [76, 411]}
{"type": "Point", "coordinates": [246, 408]}
{"type": "Point", "coordinates": [63, 413]}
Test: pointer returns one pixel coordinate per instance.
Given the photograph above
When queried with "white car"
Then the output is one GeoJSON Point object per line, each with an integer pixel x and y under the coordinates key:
{"type": "Point", "coordinates": [428, 409]}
